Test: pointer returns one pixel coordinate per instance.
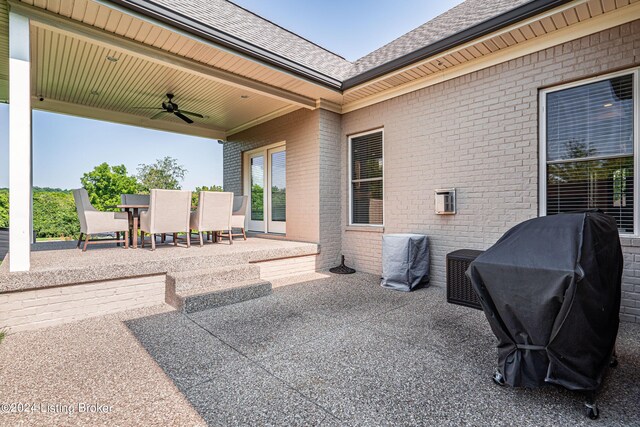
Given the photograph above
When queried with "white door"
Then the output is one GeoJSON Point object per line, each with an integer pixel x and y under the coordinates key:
{"type": "Point", "coordinates": [265, 184]}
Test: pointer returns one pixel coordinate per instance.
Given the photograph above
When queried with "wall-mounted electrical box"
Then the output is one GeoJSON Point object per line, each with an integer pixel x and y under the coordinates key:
{"type": "Point", "coordinates": [446, 201]}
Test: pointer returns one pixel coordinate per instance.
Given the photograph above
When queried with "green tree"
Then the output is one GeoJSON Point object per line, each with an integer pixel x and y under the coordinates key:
{"type": "Point", "coordinates": [212, 188]}
{"type": "Point", "coordinates": [54, 214]}
{"type": "Point", "coordinates": [106, 183]}
{"type": "Point", "coordinates": [194, 195]}
{"type": "Point", "coordinates": [165, 173]}
{"type": "Point", "coordinates": [257, 202]}
{"type": "Point", "coordinates": [4, 208]}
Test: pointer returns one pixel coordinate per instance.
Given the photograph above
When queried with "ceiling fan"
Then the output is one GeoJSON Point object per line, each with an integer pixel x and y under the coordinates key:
{"type": "Point", "coordinates": [172, 108]}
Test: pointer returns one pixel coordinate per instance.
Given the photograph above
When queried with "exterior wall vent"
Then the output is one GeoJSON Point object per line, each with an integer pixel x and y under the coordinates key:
{"type": "Point", "coordinates": [446, 202]}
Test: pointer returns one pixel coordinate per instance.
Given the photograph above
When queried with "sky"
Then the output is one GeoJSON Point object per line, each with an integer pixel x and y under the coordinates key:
{"type": "Point", "coordinates": [65, 147]}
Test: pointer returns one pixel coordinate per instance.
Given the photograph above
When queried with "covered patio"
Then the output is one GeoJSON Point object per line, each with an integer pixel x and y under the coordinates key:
{"type": "Point", "coordinates": [337, 351]}
{"type": "Point", "coordinates": [99, 60]}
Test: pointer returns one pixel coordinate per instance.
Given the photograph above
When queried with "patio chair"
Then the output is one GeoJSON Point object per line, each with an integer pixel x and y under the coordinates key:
{"type": "Point", "coordinates": [94, 222]}
{"type": "Point", "coordinates": [213, 214]}
{"type": "Point", "coordinates": [239, 214]}
{"type": "Point", "coordinates": [168, 213]}
{"type": "Point", "coordinates": [135, 199]}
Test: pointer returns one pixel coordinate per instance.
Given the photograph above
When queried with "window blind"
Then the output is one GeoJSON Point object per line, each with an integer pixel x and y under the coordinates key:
{"type": "Point", "coordinates": [590, 143]}
{"type": "Point", "coordinates": [367, 179]}
{"type": "Point", "coordinates": [257, 188]}
{"type": "Point", "coordinates": [279, 186]}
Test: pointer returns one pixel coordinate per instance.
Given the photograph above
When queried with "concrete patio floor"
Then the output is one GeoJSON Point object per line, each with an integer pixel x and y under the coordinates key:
{"type": "Point", "coordinates": [336, 351]}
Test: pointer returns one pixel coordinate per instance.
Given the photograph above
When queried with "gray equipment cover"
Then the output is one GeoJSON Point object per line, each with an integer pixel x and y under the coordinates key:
{"type": "Point", "coordinates": [405, 261]}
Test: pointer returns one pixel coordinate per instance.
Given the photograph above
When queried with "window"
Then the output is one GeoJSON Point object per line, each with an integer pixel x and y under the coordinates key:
{"type": "Point", "coordinates": [366, 178]}
{"type": "Point", "coordinates": [589, 146]}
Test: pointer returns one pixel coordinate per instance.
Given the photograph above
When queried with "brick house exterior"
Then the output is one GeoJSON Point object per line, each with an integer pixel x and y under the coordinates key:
{"type": "Point", "coordinates": [478, 133]}
{"type": "Point", "coordinates": [460, 101]}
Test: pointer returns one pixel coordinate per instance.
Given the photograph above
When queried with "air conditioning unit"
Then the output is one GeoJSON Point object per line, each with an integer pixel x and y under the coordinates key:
{"type": "Point", "coordinates": [459, 288]}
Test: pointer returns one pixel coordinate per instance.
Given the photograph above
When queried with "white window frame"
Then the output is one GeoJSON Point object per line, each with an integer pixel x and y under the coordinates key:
{"type": "Point", "coordinates": [350, 181]}
{"type": "Point", "coordinates": [542, 160]}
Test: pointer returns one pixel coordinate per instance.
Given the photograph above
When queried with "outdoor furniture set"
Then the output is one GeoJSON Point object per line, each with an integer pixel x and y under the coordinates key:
{"type": "Point", "coordinates": [160, 213]}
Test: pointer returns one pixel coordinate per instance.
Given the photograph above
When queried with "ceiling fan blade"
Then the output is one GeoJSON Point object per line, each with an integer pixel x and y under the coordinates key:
{"type": "Point", "coordinates": [158, 115]}
{"type": "Point", "coordinates": [183, 117]}
{"type": "Point", "coordinates": [189, 113]}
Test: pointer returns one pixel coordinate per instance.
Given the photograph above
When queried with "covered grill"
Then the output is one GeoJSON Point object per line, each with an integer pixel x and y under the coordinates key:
{"type": "Point", "coordinates": [550, 289]}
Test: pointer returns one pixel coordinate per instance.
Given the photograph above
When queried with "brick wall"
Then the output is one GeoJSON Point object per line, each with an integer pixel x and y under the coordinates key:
{"type": "Point", "coordinates": [330, 200]}
{"type": "Point", "coordinates": [313, 201]}
{"type": "Point", "coordinates": [478, 133]}
{"type": "Point", "coordinates": [630, 310]}
{"type": "Point", "coordinates": [281, 268]}
{"type": "Point", "coordinates": [38, 308]}
{"type": "Point", "coordinates": [299, 130]}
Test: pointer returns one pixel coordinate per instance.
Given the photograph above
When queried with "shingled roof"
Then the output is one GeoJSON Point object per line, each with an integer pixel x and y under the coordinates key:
{"type": "Point", "coordinates": [247, 27]}
{"type": "Point", "coordinates": [459, 18]}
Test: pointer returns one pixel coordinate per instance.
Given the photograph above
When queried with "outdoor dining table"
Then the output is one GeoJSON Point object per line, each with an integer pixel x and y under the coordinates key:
{"type": "Point", "coordinates": [134, 211]}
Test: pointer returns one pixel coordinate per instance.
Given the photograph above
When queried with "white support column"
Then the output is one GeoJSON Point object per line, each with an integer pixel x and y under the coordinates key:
{"type": "Point", "coordinates": [19, 143]}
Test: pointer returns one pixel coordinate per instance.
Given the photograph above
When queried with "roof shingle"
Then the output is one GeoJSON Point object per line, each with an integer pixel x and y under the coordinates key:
{"type": "Point", "coordinates": [242, 24]}
{"type": "Point", "coordinates": [249, 27]}
{"type": "Point", "coordinates": [459, 18]}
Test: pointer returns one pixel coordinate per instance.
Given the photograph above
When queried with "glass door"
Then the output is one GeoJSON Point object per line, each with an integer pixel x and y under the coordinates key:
{"type": "Point", "coordinates": [266, 186]}
{"type": "Point", "coordinates": [277, 190]}
{"type": "Point", "coordinates": [257, 194]}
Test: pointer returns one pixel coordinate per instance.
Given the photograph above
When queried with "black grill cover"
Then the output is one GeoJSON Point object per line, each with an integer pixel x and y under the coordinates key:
{"type": "Point", "coordinates": [550, 288]}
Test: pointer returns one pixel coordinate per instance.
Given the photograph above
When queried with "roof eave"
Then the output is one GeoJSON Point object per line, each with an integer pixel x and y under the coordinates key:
{"type": "Point", "coordinates": [184, 23]}
{"type": "Point", "coordinates": [227, 41]}
{"type": "Point", "coordinates": [496, 23]}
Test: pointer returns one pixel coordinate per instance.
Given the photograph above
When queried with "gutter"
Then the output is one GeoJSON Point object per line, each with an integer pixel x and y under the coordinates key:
{"type": "Point", "coordinates": [520, 13]}
{"type": "Point", "coordinates": [226, 40]}
{"type": "Point", "coordinates": [166, 16]}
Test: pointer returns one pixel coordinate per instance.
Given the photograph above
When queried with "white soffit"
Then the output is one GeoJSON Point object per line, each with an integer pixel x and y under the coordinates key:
{"type": "Point", "coordinates": [66, 70]}
{"type": "Point", "coordinates": [114, 21]}
{"type": "Point", "coordinates": [71, 72]}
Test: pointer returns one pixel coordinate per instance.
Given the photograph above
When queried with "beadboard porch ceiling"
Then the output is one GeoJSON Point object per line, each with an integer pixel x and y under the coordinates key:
{"type": "Point", "coordinates": [95, 61]}
{"type": "Point", "coordinates": [72, 39]}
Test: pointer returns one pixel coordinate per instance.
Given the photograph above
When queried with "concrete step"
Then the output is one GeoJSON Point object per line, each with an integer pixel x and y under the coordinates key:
{"type": "Point", "coordinates": [212, 278]}
{"type": "Point", "coordinates": [199, 299]}
{"type": "Point", "coordinates": [224, 255]}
